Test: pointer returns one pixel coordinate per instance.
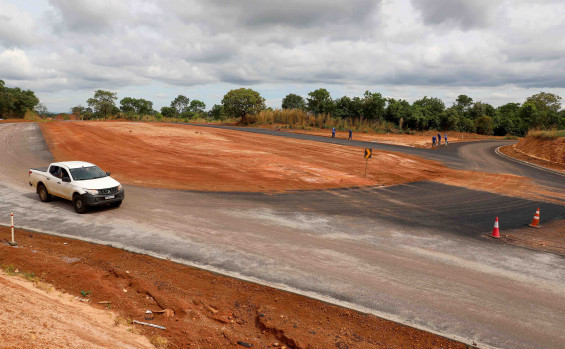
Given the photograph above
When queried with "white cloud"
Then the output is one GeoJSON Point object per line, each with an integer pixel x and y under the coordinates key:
{"type": "Point", "coordinates": [17, 28]}
{"type": "Point", "coordinates": [196, 45]}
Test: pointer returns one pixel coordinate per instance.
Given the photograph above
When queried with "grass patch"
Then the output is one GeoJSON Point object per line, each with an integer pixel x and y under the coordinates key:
{"type": "Point", "coordinates": [12, 270]}
{"type": "Point", "coordinates": [159, 342]}
{"type": "Point", "coordinates": [546, 134]}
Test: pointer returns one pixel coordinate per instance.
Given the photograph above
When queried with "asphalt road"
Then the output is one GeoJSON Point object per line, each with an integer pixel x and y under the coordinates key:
{"type": "Point", "coordinates": [412, 253]}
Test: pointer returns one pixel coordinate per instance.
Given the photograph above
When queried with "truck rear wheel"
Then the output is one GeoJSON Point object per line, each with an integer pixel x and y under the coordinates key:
{"type": "Point", "coordinates": [79, 204]}
{"type": "Point", "coordinates": [44, 195]}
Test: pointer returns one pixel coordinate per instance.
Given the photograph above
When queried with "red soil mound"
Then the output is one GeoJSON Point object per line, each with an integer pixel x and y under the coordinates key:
{"type": "Point", "coordinates": [552, 150]}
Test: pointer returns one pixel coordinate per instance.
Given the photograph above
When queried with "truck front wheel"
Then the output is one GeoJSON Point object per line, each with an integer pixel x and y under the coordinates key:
{"type": "Point", "coordinates": [79, 205]}
{"type": "Point", "coordinates": [44, 195]}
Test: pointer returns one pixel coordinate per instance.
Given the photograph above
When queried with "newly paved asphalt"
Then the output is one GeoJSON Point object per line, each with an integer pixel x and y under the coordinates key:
{"type": "Point", "coordinates": [413, 253]}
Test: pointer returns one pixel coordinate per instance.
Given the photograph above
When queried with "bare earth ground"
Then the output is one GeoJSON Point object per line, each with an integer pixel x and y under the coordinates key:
{"type": "Point", "coordinates": [34, 315]}
{"type": "Point", "coordinates": [201, 309]}
{"type": "Point", "coordinates": [418, 140]}
{"type": "Point", "coordinates": [200, 158]}
{"type": "Point", "coordinates": [546, 153]}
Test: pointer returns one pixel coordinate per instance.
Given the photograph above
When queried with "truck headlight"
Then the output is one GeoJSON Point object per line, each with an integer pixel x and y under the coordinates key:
{"type": "Point", "coordinates": [120, 187]}
{"type": "Point", "coordinates": [91, 191]}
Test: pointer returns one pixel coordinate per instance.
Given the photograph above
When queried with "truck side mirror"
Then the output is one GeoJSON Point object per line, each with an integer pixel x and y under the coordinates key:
{"type": "Point", "coordinates": [108, 174]}
{"type": "Point", "coordinates": [66, 179]}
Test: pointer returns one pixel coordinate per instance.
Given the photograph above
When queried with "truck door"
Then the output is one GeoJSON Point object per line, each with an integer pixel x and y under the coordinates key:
{"type": "Point", "coordinates": [65, 188]}
{"type": "Point", "coordinates": [52, 179]}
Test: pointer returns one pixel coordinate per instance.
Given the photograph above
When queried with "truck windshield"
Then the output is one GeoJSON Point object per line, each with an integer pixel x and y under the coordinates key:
{"type": "Point", "coordinates": [86, 173]}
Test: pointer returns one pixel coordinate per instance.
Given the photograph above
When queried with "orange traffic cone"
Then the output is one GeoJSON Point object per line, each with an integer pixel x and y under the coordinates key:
{"type": "Point", "coordinates": [535, 221]}
{"type": "Point", "coordinates": [495, 231]}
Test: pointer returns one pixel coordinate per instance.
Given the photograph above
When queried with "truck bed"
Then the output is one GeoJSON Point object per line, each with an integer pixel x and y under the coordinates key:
{"type": "Point", "coordinates": [41, 169]}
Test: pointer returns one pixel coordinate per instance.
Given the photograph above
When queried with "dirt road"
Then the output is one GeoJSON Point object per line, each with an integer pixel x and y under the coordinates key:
{"type": "Point", "coordinates": [410, 252]}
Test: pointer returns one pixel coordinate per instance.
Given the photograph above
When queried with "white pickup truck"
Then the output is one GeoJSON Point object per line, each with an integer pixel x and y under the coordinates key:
{"type": "Point", "coordinates": [85, 184]}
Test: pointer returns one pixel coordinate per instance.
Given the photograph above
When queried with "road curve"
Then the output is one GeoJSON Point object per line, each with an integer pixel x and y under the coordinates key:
{"type": "Point", "coordinates": [396, 252]}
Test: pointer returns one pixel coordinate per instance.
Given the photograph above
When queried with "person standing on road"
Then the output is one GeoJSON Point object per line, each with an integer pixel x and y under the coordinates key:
{"type": "Point", "coordinates": [333, 132]}
{"type": "Point", "coordinates": [350, 134]}
{"type": "Point", "coordinates": [433, 141]}
{"type": "Point", "coordinates": [446, 139]}
{"type": "Point", "coordinates": [438, 139]}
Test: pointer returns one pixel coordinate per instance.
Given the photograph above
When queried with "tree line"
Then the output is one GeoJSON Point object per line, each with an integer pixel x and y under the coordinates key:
{"type": "Point", "coordinates": [15, 102]}
{"type": "Point", "coordinates": [540, 111]}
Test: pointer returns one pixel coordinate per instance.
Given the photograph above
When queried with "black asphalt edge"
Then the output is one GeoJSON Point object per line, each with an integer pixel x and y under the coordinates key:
{"type": "Point", "coordinates": [498, 152]}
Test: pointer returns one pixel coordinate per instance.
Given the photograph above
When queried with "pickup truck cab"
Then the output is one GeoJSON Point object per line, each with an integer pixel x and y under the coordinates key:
{"type": "Point", "coordinates": [83, 183]}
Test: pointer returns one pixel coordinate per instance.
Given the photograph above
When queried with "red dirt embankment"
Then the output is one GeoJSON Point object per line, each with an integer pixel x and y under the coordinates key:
{"type": "Point", "coordinates": [201, 309]}
{"type": "Point", "coordinates": [544, 152]}
{"type": "Point", "coordinates": [552, 150]}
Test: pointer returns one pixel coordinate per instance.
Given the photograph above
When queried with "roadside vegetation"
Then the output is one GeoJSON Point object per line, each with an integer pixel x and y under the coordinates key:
{"type": "Point", "coordinates": [547, 134]}
{"type": "Point", "coordinates": [370, 112]}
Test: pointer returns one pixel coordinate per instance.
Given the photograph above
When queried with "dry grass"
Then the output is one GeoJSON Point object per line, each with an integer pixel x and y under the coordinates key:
{"type": "Point", "coordinates": [546, 134]}
{"type": "Point", "coordinates": [299, 119]}
{"type": "Point", "coordinates": [159, 342]}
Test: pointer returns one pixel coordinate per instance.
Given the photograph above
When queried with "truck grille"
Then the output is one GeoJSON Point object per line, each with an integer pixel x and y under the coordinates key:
{"type": "Point", "coordinates": [108, 191]}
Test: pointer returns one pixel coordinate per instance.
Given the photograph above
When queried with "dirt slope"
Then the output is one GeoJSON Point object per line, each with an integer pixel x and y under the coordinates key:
{"type": "Point", "coordinates": [544, 152]}
{"type": "Point", "coordinates": [552, 150]}
{"type": "Point", "coordinates": [203, 310]}
{"type": "Point", "coordinates": [40, 317]}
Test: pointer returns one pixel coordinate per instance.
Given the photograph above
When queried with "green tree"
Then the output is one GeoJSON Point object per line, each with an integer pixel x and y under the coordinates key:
{"type": "Point", "coordinates": [545, 102]}
{"type": "Point", "coordinates": [509, 120]}
{"type": "Point", "coordinates": [103, 103]}
{"type": "Point", "coordinates": [431, 109]}
{"type": "Point", "coordinates": [197, 106]}
{"type": "Point", "coordinates": [373, 106]}
{"type": "Point", "coordinates": [466, 125]}
{"type": "Point", "coordinates": [397, 111]}
{"type": "Point", "coordinates": [448, 119]}
{"type": "Point", "coordinates": [484, 125]}
{"type": "Point", "coordinates": [217, 112]}
{"type": "Point", "coordinates": [15, 101]}
{"type": "Point", "coordinates": [320, 102]}
{"type": "Point", "coordinates": [168, 112]}
{"type": "Point", "coordinates": [343, 108]}
{"type": "Point", "coordinates": [137, 106]}
{"type": "Point", "coordinates": [462, 104]}
{"type": "Point", "coordinates": [242, 102]}
{"type": "Point", "coordinates": [78, 112]}
{"type": "Point", "coordinates": [292, 101]}
{"type": "Point", "coordinates": [181, 105]}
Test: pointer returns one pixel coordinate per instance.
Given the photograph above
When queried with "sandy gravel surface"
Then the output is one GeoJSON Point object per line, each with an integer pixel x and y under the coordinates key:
{"type": "Point", "coordinates": [34, 315]}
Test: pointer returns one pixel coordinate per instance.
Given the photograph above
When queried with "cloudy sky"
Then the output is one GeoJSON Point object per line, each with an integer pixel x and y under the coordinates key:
{"type": "Point", "coordinates": [496, 51]}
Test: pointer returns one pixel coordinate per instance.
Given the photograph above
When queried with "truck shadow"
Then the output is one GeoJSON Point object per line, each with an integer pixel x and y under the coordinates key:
{"type": "Point", "coordinates": [67, 205]}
